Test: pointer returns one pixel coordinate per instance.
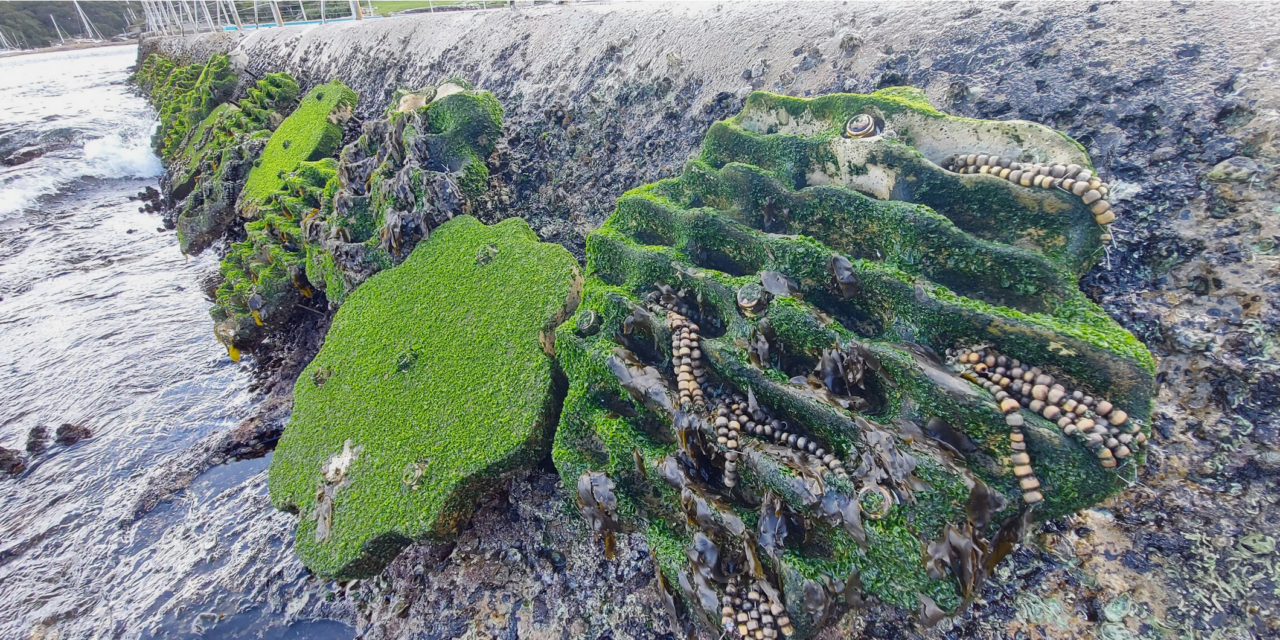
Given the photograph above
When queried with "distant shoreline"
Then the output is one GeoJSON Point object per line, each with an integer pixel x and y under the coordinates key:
{"type": "Point", "coordinates": [66, 47]}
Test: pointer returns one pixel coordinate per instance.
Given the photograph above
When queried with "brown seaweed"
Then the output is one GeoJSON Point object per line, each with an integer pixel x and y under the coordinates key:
{"type": "Point", "coordinates": [643, 383]}
{"type": "Point", "coordinates": [1008, 536]}
{"type": "Point", "coordinates": [778, 284]}
{"type": "Point", "coordinates": [598, 503]}
{"type": "Point", "coordinates": [982, 504]}
{"type": "Point", "coordinates": [839, 509]}
{"type": "Point", "coordinates": [847, 281]}
{"type": "Point", "coordinates": [678, 624]}
{"type": "Point", "coordinates": [773, 525]}
{"type": "Point", "coordinates": [949, 436]}
{"type": "Point", "coordinates": [930, 613]}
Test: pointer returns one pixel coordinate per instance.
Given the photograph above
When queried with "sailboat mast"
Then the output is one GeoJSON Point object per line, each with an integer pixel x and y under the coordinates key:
{"type": "Point", "coordinates": [90, 32]}
{"type": "Point", "coordinates": [56, 30]}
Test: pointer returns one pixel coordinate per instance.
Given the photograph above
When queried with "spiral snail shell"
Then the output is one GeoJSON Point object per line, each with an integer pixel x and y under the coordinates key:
{"type": "Point", "coordinates": [861, 126]}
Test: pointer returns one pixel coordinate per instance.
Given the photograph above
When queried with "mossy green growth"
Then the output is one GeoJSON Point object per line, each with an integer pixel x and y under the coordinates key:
{"type": "Point", "coordinates": [799, 141]}
{"type": "Point", "coordinates": [265, 106]}
{"type": "Point", "coordinates": [435, 380]}
{"type": "Point", "coordinates": [184, 96]}
{"type": "Point", "coordinates": [313, 131]}
{"type": "Point", "coordinates": [264, 277]}
{"type": "Point", "coordinates": [407, 173]}
{"type": "Point", "coordinates": [885, 262]}
{"type": "Point", "coordinates": [219, 156]}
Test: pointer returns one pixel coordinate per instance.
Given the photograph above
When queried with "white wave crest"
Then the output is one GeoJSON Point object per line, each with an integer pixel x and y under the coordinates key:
{"type": "Point", "coordinates": [113, 156]}
{"type": "Point", "coordinates": [117, 157]}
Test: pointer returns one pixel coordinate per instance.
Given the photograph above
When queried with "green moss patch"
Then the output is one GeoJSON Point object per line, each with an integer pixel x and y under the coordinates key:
{"type": "Point", "coordinates": [184, 96]}
{"type": "Point", "coordinates": [264, 277]}
{"type": "Point", "coordinates": [407, 173]}
{"type": "Point", "coordinates": [312, 132]}
{"type": "Point", "coordinates": [436, 377]}
{"type": "Point", "coordinates": [208, 143]}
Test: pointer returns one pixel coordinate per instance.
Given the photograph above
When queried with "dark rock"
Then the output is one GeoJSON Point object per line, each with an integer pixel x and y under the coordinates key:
{"type": "Point", "coordinates": [24, 155]}
{"type": "Point", "coordinates": [69, 434]}
{"type": "Point", "coordinates": [37, 439]}
{"type": "Point", "coordinates": [11, 461]}
{"type": "Point", "coordinates": [1163, 154]}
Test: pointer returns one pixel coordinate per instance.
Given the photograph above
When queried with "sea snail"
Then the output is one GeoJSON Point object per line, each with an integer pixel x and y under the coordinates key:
{"type": "Point", "coordinates": [861, 126]}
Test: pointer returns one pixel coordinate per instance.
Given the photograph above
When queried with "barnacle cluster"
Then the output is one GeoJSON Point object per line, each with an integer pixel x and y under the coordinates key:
{"type": "Point", "coordinates": [771, 373]}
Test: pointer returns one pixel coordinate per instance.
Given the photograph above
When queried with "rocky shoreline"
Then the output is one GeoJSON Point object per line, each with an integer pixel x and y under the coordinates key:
{"type": "Point", "coordinates": [601, 99]}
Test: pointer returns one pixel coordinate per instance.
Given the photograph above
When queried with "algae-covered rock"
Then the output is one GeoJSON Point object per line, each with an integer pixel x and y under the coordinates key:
{"type": "Point", "coordinates": [209, 210]}
{"type": "Point", "coordinates": [435, 381]}
{"type": "Point", "coordinates": [264, 277]}
{"type": "Point", "coordinates": [407, 173]}
{"type": "Point", "coordinates": [184, 96]}
{"type": "Point", "coordinates": [799, 366]}
{"type": "Point", "coordinates": [208, 144]}
{"type": "Point", "coordinates": [312, 132]}
{"type": "Point", "coordinates": [808, 143]}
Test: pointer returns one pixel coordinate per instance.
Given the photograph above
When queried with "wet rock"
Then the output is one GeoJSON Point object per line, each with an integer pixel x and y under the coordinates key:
{"type": "Point", "coordinates": [1237, 169]}
{"type": "Point", "coordinates": [1163, 154]}
{"type": "Point", "coordinates": [37, 440]}
{"type": "Point", "coordinates": [675, 245]}
{"type": "Point", "coordinates": [69, 434]}
{"type": "Point", "coordinates": [1158, 99]}
{"type": "Point", "coordinates": [11, 461]}
{"type": "Point", "coordinates": [421, 164]}
{"type": "Point", "coordinates": [311, 132]}
{"type": "Point", "coordinates": [24, 155]}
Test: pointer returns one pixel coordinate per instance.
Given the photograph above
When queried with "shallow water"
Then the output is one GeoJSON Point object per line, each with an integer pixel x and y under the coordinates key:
{"type": "Point", "coordinates": [103, 324]}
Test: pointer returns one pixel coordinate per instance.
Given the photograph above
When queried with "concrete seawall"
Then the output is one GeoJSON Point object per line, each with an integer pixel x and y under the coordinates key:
{"type": "Point", "coordinates": [604, 98]}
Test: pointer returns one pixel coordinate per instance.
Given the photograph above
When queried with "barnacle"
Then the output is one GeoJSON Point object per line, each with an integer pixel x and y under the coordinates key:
{"type": "Point", "coordinates": [755, 363]}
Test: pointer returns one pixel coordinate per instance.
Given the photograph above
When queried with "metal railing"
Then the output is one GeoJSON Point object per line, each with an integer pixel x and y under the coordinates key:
{"type": "Point", "coordinates": [181, 17]}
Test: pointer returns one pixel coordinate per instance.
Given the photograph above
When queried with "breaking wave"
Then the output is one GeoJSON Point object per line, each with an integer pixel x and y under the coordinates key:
{"type": "Point", "coordinates": [56, 133]}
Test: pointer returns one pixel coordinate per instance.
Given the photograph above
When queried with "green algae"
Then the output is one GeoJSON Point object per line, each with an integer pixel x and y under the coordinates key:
{"type": "Point", "coordinates": [207, 141]}
{"type": "Point", "coordinates": [266, 272]}
{"type": "Point", "coordinates": [313, 131]}
{"type": "Point", "coordinates": [263, 108]}
{"type": "Point", "coordinates": [404, 175]}
{"type": "Point", "coordinates": [184, 96]}
{"type": "Point", "coordinates": [437, 372]}
{"type": "Point", "coordinates": [799, 142]}
{"type": "Point", "coordinates": [220, 156]}
{"type": "Point", "coordinates": [778, 188]}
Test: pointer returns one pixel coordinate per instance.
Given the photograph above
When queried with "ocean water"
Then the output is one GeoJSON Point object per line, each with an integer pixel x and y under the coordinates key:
{"type": "Point", "coordinates": [103, 324]}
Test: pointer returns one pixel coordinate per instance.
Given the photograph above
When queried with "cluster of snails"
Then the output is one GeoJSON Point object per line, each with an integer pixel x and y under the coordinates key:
{"type": "Point", "coordinates": [686, 359]}
{"type": "Point", "coordinates": [734, 414]}
{"type": "Point", "coordinates": [1021, 460]}
{"type": "Point", "coordinates": [1068, 177]}
{"type": "Point", "coordinates": [1098, 424]}
{"type": "Point", "coordinates": [753, 616]}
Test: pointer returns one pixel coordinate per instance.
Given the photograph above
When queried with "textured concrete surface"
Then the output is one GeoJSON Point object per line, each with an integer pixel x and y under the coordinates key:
{"type": "Point", "coordinates": [1177, 103]}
